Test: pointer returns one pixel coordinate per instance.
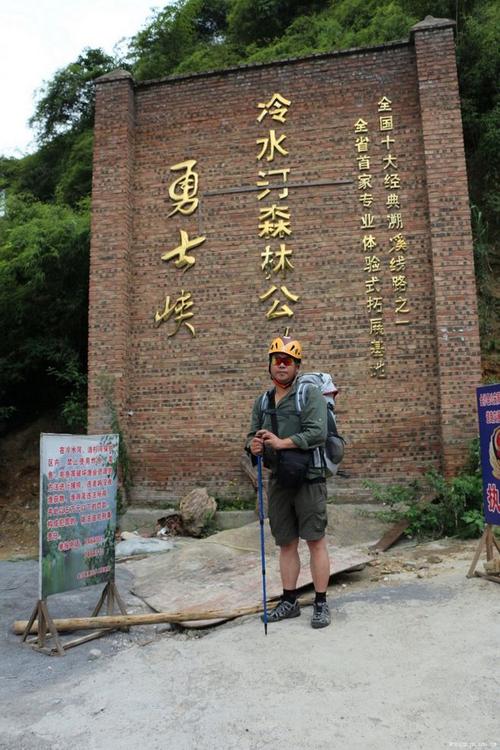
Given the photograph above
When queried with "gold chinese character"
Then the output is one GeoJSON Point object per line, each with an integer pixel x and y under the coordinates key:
{"type": "Point", "coordinates": [398, 263]}
{"type": "Point", "coordinates": [366, 199]}
{"type": "Point", "coordinates": [278, 262]}
{"type": "Point", "coordinates": [283, 263]}
{"type": "Point", "coordinates": [270, 145]}
{"type": "Point", "coordinates": [363, 162]}
{"type": "Point", "coordinates": [377, 326]}
{"type": "Point", "coordinates": [360, 126]}
{"type": "Point", "coordinates": [367, 221]}
{"type": "Point", "coordinates": [364, 181]}
{"type": "Point", "coordinates": [372, 284]}
{"type": "Point", "coordinates": [265, 183]}
{"type": "Point", "coordinates": [392, 200]}
{"type": "Point", "coordinates": [374, 303]}
{"type": "Point", "coordinates": [377, 370]}
{"type": "Point", "coordinates": [398, 243]}
{"type": "Point", "coordinates": [184, 189]}
{"type": "Point", "coordinates": [183, 259]}
{"type": "Point", "coordinates": [372, 264]}
{"type": "Point", "coordinates": [392, 181]}
{"type": "Point", "coordinates": [395, 221]}
{"type": "Point", "coordinates": [390, 161]}
{"type": "Point", "coordinates": [399, 283]}
{"type": "Point", "coordinates": [401, 305]}
{"type": "Point", "coordinates": [182, 309]}
{"type": "Point", "coordinates": [277, 107]}
{"type": "Point", "coordinates": [385, 105]}
{"type": "Point", "coordinates": [377, 349]}
{"type": "Point", "coordinates": [369, 242]}
{"type": "Point", "coordinates": [274, 221]}
{"type": "Point", "coordinates": [388, 140]}
{"type": "Point", "coordinates": [274, 312]}
{"type": "Point", "coordinates": [362, 143]}
{"type": "Point", "coordinates": [385, 122]}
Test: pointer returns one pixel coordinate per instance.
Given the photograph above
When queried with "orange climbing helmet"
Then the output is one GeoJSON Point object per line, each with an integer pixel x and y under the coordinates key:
{"type": "Point", "coordinates": [286, 345]}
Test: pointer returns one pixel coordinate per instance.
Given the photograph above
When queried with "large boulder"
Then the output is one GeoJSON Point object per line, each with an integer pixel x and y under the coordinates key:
{"type": "Point", "coordinates": [197, 508]}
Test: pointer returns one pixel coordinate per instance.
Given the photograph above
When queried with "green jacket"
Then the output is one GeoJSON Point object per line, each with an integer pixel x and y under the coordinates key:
{"type": "Point", "coordinates": [307, 429]}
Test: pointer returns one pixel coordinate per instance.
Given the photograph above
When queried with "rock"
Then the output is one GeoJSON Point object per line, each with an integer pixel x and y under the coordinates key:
{"type": "Point", "coordinates": [434, 559]}
{"type": "Point", "coordinates": [124, 535]}
{"type": "Point", "coordinates": [94, 654]}
{"type": "Point", "coordinates": [197, 508]}
{"type": "Point", "coordinates": [164, 627]}
{"type": "Point", "coordinates": [410, 565]}
{"type": "Point", "coordinates": [138, 545]}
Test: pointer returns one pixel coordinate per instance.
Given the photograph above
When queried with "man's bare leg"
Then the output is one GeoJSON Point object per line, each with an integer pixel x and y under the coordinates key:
{"type": "Point", "coordinates": [290, 564]}
{"type": "Point", "coordinates": [320, 564]}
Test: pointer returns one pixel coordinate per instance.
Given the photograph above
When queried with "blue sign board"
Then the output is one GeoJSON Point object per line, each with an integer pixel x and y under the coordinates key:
{"type": "Point", "coordinates": [488, 408]}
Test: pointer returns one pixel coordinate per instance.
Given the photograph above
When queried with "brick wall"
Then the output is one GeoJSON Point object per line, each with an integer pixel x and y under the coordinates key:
{"type": "Point", "coordinates": [184, 402]}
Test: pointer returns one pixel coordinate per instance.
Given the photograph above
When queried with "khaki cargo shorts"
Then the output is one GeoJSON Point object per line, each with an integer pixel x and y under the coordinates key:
{"type": "Point", "coordinates": [297, 513]}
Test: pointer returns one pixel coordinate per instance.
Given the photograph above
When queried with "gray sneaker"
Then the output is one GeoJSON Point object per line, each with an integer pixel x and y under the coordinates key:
{"type": "Point", "coordinates": [282, 611]}
{"type": "Point", "coordinates": [321, 615]}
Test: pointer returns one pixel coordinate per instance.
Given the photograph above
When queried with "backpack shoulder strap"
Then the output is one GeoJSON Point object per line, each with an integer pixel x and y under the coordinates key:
{"type": "Point", "coordinates": [300, 396]}
{"type": "Point", "coordinates": [332, 422]}
{"type": "Point", "coordinates": [267, 403]}
{"type": "Point", "coordinates": [264, 402]}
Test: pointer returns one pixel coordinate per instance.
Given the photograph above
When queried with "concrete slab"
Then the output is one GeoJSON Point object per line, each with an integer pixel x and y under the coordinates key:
{"type": "Point", "coordinates": [145, 519]}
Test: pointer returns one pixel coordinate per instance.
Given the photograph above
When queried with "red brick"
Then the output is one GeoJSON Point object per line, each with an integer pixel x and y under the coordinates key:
{"type": "Point", "coordinates": [190, 398]}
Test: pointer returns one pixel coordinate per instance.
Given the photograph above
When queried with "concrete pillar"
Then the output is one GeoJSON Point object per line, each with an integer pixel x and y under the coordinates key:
{"type": "Point", "coordinates": [110, 272]}
{"type": "Point", "coordinates": [451, 238]}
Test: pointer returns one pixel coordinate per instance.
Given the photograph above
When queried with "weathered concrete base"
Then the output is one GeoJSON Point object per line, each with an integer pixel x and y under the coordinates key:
{"type": "Point", "coordinates": [350, 520]}
{"type": "Point", "coordinates": [144, 519]}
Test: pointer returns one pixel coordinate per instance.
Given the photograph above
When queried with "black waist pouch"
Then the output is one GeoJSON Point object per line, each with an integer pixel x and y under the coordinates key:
{"type": "Point", "coordinates": [292, 468]}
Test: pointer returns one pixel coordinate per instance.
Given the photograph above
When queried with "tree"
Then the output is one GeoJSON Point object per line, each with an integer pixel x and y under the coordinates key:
{"type": "Point", "coordinates": [262, 21]}
{"type": "Point", "coordinates": [177, 32]}
{"type": "Point", "coordinates": [44, 238]}
{"type": "Point", "coordinates": [43, 298]}
{"type": "Point", "coordinates": [67, 101]}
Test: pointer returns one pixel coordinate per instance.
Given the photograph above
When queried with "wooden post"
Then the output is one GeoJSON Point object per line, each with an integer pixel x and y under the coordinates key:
{"type": "Point", "coordinates": [44, 620]}
{"type": "Point", "coordinates": [488, 542]}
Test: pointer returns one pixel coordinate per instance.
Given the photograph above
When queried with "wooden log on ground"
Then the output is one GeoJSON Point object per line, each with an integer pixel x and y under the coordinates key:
{"type": "Point", "coordinates": [151, 618]}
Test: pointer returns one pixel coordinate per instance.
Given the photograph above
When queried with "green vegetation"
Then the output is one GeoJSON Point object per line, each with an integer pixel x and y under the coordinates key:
{"type": "Point", "coordinates": [450, 507]}
{"type": "Point", "coordinates": [122, 467]}
{"type": "Point", "coordinates": [44, 225]}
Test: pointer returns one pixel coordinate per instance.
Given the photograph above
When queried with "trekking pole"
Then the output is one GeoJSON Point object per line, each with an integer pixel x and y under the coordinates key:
{"type": "Point", "coordinates": [262, 547]}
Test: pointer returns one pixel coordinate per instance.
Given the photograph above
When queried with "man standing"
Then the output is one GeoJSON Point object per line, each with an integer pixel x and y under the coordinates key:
{"type": "Point", "coordinates": [299, 511]}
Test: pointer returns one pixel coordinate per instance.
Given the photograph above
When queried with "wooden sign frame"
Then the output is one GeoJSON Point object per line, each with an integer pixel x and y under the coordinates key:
{"type": "Point", "coordinates": [488, 541]}
{"type": "Point", "coordinates": [46, 627]}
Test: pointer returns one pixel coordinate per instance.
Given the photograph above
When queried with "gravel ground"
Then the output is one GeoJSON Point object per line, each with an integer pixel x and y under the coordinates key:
{"type": "Point", "coordinates": [410, 661]}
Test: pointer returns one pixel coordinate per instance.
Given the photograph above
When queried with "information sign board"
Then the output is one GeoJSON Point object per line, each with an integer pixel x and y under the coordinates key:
{"type": "Point", "coordinates": [78, 483]}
